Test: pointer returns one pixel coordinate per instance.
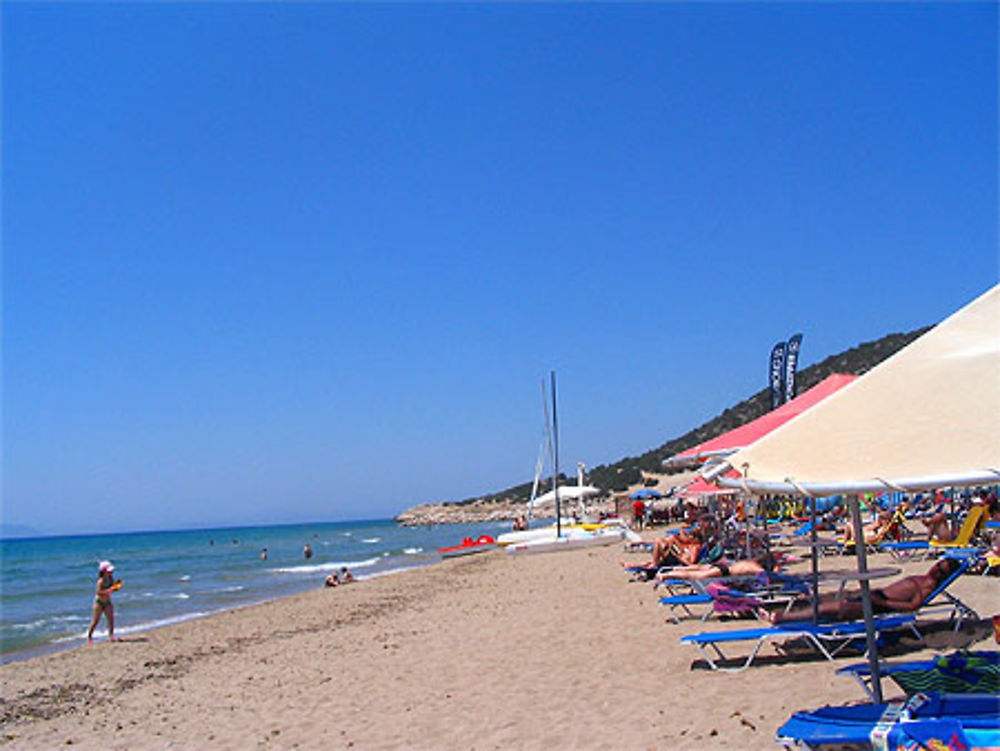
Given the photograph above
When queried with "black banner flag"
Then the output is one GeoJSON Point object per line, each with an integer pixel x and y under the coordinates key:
{"type": "Point", "coordinates": [791, 362]}
{"type": "Point", "coordinates": [776, 374]}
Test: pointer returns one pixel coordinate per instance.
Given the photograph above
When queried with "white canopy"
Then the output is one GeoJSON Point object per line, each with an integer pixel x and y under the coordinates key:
{"type": "Point", "coordinates": [566, 493]}
{"type": "Point", "coordinates": [929, 416]}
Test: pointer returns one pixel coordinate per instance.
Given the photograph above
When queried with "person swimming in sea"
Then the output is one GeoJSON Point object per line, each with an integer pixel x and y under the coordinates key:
{"type": "Point", "coordinates": [106, 584]}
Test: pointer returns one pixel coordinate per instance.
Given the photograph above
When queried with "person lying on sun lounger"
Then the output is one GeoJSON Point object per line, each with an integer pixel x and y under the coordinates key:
{"type": "Point", "coordinates": [722, 567]}
{"type": "Point", "coordinates": [903, 596]}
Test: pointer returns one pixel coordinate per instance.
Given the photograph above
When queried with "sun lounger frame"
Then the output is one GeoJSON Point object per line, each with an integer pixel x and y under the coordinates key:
{"type": "Point", "coordinates": [829, 639]}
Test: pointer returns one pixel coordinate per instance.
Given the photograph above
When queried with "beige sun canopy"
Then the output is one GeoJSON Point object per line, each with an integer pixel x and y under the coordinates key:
{"type": "Point", "coordinates": [929, 416]}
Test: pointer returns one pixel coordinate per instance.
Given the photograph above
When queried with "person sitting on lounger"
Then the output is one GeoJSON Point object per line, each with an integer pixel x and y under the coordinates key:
{"type": "Point", "coordinates": [680, 549]}
{"type": "Point", "coordinates": [903, 596]}
{"type": "Point", "coordinates": [873, 531]}
{"type": "Point", "coordinates": [938, 527]}
{"type": "Point", "coordinates": [722, 567]}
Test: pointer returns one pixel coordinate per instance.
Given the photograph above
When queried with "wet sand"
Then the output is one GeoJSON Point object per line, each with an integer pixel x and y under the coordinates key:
{"type": "Point", "coordinates": [485, 652]}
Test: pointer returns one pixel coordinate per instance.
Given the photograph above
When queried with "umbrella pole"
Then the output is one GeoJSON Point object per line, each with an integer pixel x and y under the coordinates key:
{"type": "Point", "coordinates": [866, 598]}
{"type": "Point", "coordinates": [746, 526]}
{"type": "Point", "coordinates": [954, 517]}
{"type": "Point", "coordinates": [767, 539]}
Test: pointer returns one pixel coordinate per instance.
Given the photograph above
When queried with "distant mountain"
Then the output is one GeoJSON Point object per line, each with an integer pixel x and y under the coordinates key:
{"type": "Point", "coordinates": [627, 472]}
{"type": "Point", "coordinates": [13, 531]}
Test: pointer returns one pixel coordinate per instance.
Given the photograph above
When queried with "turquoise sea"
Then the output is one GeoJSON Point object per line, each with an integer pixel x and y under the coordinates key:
{"type": "Point", "coordinates": [47, 584]}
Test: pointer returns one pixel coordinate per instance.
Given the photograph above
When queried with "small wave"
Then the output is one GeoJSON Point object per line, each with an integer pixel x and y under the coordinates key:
{"type": "Point", "coordinates": [413, 551]}
{"type": "Point", "coordinates": [371, 540]}
{"type": "Point", "coordinates": [318, 568]}
{"type": "Point", "coordinates": [54, 620]}
{"type": "Point", "coordinates": [186, 578]}
{"type": "Point", "coordinates": [172, 596]}
{"type": "Point", "coordinates": [234, 588]}
{"type": "Point", "coordinates": [136, 628]}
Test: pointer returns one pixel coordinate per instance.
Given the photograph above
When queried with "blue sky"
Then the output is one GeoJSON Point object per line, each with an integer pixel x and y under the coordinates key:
{"type": "Point", "coordinates": [276, 263]}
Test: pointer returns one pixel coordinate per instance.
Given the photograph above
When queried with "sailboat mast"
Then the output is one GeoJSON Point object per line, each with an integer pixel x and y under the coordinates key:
{"type": "Point", "coordinates": [539, 464]}
{"type": "Point", "coordinates": [555, 456]}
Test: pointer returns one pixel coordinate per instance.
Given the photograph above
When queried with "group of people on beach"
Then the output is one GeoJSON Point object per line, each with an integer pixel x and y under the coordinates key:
{"type": "Point", "coordinates": [344, 577]}
{"type": "Point", "coordinates": [705, 550]}
{"type": "Point", "coordinates": [107, 584]}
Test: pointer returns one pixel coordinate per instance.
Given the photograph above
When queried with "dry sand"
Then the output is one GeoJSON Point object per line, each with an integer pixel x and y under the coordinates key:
{"type": "Point", "coordinates": [492, 651]}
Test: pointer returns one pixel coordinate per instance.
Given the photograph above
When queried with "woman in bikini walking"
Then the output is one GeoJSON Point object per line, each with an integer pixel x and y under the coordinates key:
{"type": "Point", "coordinates": [102, 600]}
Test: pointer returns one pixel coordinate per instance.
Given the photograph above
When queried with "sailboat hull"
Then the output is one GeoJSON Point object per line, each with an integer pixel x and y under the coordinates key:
{"type": "Point", "coordinates": [579, 539]}
{"type": "Point", "coordinates": [545, 533]}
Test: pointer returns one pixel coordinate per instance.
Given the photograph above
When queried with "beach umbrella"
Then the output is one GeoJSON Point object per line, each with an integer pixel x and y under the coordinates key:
{"type": "Point", "coordinates": [888, 430]}
{"type": "Point", "coordinates": [645, 493]}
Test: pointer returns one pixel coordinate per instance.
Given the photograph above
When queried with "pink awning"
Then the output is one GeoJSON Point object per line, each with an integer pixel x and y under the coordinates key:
{"type": "Point", "coordinates": [746, 434]}
{"type": "Point", "coordinates": [701, 487]}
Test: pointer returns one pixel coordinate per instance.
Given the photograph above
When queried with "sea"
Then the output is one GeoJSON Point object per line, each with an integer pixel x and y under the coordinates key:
{"type": "Point", "coordinates": [47, 583]}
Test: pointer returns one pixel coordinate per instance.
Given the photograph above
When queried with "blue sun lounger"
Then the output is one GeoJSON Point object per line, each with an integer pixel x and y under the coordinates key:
{"type": "Point", "coordinates": [942, 600]}
{"type": "Point", "coordinates": [925, 721]}
{"type": "Point", "coordinates": [972, 528]}
{"type": "Point", "coordinates": [718, 598]}
{"type": "Point", "coordinates": [829, 639]}
{"type": "Point", "coordinates": [956, 673]}
{"type": "Point", "coordinates": [683, 603]}
{"type": "Point", "coordinates": [919, 549]}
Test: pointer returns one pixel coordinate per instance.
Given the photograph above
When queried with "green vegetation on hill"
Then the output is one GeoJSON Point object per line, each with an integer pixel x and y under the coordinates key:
{"type": "Point", "coordinates": [629, 471]}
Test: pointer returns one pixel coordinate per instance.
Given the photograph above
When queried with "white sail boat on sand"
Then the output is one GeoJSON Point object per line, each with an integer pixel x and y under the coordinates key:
{"type": "Point", "coordinates": [565, 534]}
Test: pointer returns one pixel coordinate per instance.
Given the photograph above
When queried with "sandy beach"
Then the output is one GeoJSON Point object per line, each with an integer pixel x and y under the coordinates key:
{"type": "Point", "coordinates": [485, 652]}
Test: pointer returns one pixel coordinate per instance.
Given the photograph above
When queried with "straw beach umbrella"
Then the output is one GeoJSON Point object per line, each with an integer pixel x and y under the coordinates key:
{"type": "Point", "coordinates": [924, 418]}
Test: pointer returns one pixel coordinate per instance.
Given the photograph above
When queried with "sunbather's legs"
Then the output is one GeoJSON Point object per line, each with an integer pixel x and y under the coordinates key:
{"type": "Point", "coordinates": [829, 609]}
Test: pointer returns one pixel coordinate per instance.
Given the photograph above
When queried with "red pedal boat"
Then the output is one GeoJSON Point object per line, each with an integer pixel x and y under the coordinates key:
{"type": "Point", "coordinates": [469, 546]}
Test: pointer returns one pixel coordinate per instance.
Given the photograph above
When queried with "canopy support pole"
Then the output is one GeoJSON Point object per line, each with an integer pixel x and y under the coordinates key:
{"type": "Point", "coordinates": [866, 597]}
{"type": "Point", "coordinates": [815, 557]}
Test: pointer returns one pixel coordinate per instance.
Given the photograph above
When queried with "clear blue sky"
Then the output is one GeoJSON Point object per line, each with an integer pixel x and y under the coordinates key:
{"type": "Point", "coordinates": [269, 263]}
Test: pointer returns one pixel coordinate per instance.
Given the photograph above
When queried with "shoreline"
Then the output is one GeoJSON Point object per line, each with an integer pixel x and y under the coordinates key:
{"type": "Point", "coordinates": [174, 576]}
{"type": "Point", "coordinates": [77, 642]}
{"type": "Point", "coordinates": [493, 650]}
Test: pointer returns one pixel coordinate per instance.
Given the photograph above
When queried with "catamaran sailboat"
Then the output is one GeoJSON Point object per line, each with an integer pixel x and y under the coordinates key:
{"type": "Point", "coordinates": [565, 534]}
